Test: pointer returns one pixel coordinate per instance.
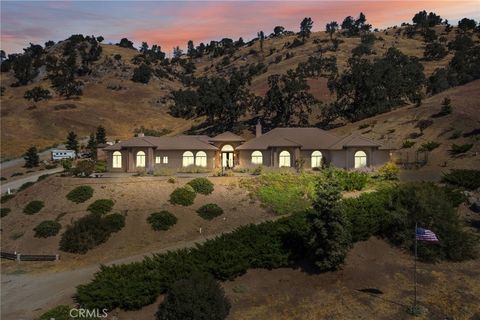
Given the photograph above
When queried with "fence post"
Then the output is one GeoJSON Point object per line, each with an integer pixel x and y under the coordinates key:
{"type": "Point", "coordinates": [57, 257]}
{"type": "Point", "coordinates": [19, 258]}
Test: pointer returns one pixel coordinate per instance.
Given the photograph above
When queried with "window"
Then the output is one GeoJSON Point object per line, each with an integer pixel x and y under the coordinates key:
{"type": "Point", "coordinates": [257, 157]}
{"type": "Point", "coordinates": [360, 159]}
{"type": "Point", "coordinates": [141, 159]}
{"type": "Point", "coordinates": [316, 159]}
{"type": "Point", "coordinates": [187, 159]}
{"type": "Point", "coordinates": [284, 159]}
{"type": "Point", "coordinates": [201, 159]}
{"type": "Point", "coordinates": [158, 159]}
{"type": "Point", "coordinates": [117, 159]}
{"type": "Point", "coordinates": [227, 148]}
{"type": "Point", "coordinates": [165, 159]}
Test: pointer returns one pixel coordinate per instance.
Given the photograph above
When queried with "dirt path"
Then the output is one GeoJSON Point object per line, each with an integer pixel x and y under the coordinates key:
{"type": "Point", "coordinates": [26, 295]}
{"type": "Point", "coordinates": [30, 178]}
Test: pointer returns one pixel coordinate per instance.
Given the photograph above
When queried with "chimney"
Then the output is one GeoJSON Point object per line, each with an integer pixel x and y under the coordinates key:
{"type": "Point", "coordinates": [258, 129]}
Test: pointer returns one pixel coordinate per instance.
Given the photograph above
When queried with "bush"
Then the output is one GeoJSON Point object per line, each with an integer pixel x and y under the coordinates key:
{"type": "Point", "coordinates": [162, 220]}
{"type": "Point", "coordinates": [80, 194]}
{"type": "Point", "coordinates": [47, 228]}
{"type": "Point", "coordinates": [351, 180]}
{"type": "Point", "coordinates": [26, 185]}
{"type": "Point", "coordinates": [6, 197]}
{"type": "Point", "coordinates": [142, 74]}
{"type": "Point", "coordinates": [198, 297]}
{"type": "Point", "coordinates": [4, 212]}
{"type": "Point", "coordinates": [459, 149]}
{"type": "Point", "coordinates": [469, 179]}
{"type": "Point", "coordinates": [429, 146]}
{"type": "Point", "coordinates": [183, 196]}
{"type": "Point", "coordinates": [90, 231]}
{"type": "Point", "coordinates": [84, 168]}
{"type": "Point", "coordinates": [389, 171]}
{"type": "Point", "coordinates": [209, 211]}
{"type": "Point", "coordinates": [101, 206]}
{"type": "Point", "coordinates": [408, 144]}
{"type": "Point", "coordinates": [202, 185]}
{"type": "Point", "coordinates": [33, 207]}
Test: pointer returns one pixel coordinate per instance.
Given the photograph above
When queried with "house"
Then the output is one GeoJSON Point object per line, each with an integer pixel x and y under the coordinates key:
{"type": "Point", "coordinates": [62, 154]}
{"type": "Point", "coordinates": [280, 147]}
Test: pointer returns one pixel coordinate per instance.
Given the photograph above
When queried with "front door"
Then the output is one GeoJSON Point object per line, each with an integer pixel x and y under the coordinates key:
{"type": "Point", "coordinates": [227, 159]}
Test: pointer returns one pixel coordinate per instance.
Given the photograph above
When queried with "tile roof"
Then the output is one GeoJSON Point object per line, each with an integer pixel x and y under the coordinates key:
{"type": "Point", "coordinates": [354, 140]}
{"type": "Point", "coordinates": [182, 142]}
{"type": "Point", "coordinates": [226, 137]}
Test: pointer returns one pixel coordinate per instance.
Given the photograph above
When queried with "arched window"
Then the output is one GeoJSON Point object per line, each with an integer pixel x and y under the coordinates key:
{"type": "Point", "coordinates": [188, 159]}
{"type": "Point", "coordinates": [117, 159]}
{"type": "Point", "coordinates": [284, 159]}
{"type": "Point", "coordinates": [360, 159]}
{"type": "Point", "coordinates": [201, 159]}
{"type": "Point", "coordinates": [316, 159]}
{"type": "Point", "coordinates": [257, 157]}
{"type": "Point", "coordinates": [227, 148]}
{"type": "Point", "coordinates": [140, 159]}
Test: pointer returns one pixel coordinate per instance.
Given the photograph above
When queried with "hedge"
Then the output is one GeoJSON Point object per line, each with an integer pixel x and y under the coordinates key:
{"type": "Point", "coordinates": [101, 206]}
{"type": "Point", "coordinates": [47, 228]}
{"type": "Point", "coordinates": [132, 286]}
{"type": "Point", "coordinates": [26, 185]}
{"type": "Point", "coordinates": [90, 231]}
{"type": "Point", "coordinates": [202, 185]}
{"type": "Point", "coordinates": [33, 207]}
{"type": "Point", "coordinates": [162, 220]}
{"type": "Point", "coordinates": [80, 194]}
{"type": "Point", "coordinates": [469, 179]}
{"type": "Point", "coordinates": [184, 196]}
{"type": "Point", "coordinates": [209, 211]}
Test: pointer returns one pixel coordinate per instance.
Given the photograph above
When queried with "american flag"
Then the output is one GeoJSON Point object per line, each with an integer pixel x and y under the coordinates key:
{"type": "Point", "coordinates": [426, 235]}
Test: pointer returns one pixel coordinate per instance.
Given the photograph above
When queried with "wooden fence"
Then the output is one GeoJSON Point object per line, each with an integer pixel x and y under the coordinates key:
{"type": "Point", "coordinates": [29, 257]}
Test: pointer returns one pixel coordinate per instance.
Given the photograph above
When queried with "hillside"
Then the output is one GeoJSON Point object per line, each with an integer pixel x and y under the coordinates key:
{"type": "Point", "coordinates": [111, 99]}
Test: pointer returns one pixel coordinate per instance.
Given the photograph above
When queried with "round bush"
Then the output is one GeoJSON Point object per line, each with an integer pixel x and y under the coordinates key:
{"type": "Point", "coordinates": [115, 221]}
{"type": "Point", "coordinates": [80, 194]}
{"type": "Point", "coordinates": [183, 196]}
{"type": "Point", "coordinates": [162, 220]}
{"type": "Point", "coordinates": [101, 206]}
{"type": "Point", "coordinates": [198, 297]}
{"type": "Point", "coordinates": [4, 212]}
{"type": "Point", "coordinates": [7, 197]}
{"type": "Point", "coordinates": [33, 207]}
{"type": "Point", "coordinates": [47, 228]}
{"type": "Point", "coordinates": [202, 185]}
{"type": "Point", "coordinates": [209, 211]}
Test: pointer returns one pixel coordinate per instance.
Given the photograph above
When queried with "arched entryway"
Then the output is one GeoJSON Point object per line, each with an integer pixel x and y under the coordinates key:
{"type": "Point", "coordinates": [227, 156]}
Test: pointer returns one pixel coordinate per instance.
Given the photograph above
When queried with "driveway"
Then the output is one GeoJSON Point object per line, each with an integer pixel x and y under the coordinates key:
{"type": "Point", "coordinates": [13, 185]}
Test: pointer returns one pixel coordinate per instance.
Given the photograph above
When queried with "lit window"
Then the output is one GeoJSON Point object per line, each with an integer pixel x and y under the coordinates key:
{"type": "Point", "coordinates": [257, 157]}
{"type": "Point", "coordinates": [158, 159]}
{"type": "Point", "coordinates": [360, 159]}
{"type": "Point", "coordinates": [141, 159]}
{"type": "Point", "coordinates": [165, 159]}
{"type": "Point", "coordinates": [284, 159]}
{"type": "Point", "coordinates": [316, 159]}
{"type": "Point", "coordinates": [201, 159]}
{"type": "Point", "coordinates": [188, 159]}
{"type": "Point", "coordinates": [117, 159]}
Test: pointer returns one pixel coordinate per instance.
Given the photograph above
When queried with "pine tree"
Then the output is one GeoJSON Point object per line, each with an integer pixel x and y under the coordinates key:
{"type": "Point", "coordinates": [101, 135]}
{"type": "Point", "coordinates": [72, 142]}
{"type": "Point", "coordinates": [329, 236]}
{"type": "Point", "coordinates": [31, 158]}
{"type": "Point", "coordinates": [92, 146]}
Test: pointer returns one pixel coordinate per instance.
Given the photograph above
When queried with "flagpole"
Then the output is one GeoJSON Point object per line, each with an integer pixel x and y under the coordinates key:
{"type": "Point", "coordinates": [415, 272]}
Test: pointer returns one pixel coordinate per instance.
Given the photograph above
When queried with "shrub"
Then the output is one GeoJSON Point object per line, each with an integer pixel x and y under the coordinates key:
{"type": "Point", "coordinates": [4, 212]}
{"type": "Point", "coordinates": [429, 146]}
{"type": "Point", "coordinates": [43, 177]}
{"type": "Point", "coordinates": [351, 180]}
{"type": "Point", "coordinates": [80, 194]}
{"type": "Point", "coordinates": [6, 197]}
{"type": "Point", "coordinates": [209, 211]}
{"type": "Point", "coordinates": [469, 179]}
{"type": "Point", "coordinates": [90, 231]}
{"type": "Point", "coordinates": [257, 171]}
{"type": "Point", "coordinates": [459, 149]}
{"type": "Point", "coordinates": [202, 185]}
{"type": "Point", "coordinates": [162, 220]}
{"type": "Point", "coordinates": [198, 297]}
{"type": "Point", "coordinates": [142, 74]}
{"type": "Point", "coordinates": [101, 206]}
{"type": "Point", "coordinates": [389, 171]}
{"type": "Point", "coordinates": [183, 196]}
{"type": "Point", "coordinates": [171, 180]}
{"type": "Point", "coordinates": [26, 185]}
{"type": "Point", "coordinates": [47, 228]}
{"type": "Point", "coordinates": [408, 144]}
{"type": "Point", "coordinates": [37, 93]}
{"type": "Point", "coordinates": [33, 207]}
{"type": "Point", "coordinates": [84, 168]}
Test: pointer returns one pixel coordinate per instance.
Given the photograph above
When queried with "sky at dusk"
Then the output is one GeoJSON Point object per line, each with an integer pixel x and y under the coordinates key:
{"type": "Point", "coordinates": [171, 23]}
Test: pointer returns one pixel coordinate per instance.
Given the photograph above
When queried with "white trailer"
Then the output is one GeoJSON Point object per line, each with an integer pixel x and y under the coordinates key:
{"type": "Point", "coordinates": [63, 154]}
